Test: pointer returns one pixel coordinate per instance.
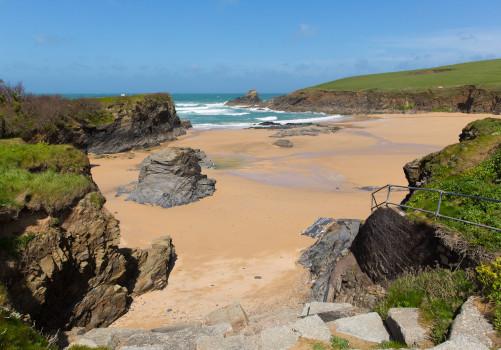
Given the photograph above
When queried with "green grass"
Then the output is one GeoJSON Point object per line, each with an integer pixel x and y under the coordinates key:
{"type": "Point", "coordinates": [393, 344]}
{"type": "Point", "coordinates": [128, 100]}
{"type": "Point", "coordinates": [437, 293]}
{"type": "Point", "coordinates": [14, 153]}
{"type": "Point", "coordinates": [470, 167]}
{"type": "Point", "coordinates": [339, 343]}
{"type": "Point", "coordinates": [41, 176]}
{"type": "Point", "coordinates": [15, 334]}
{"type": "Point", "coordinates": [484, 74]}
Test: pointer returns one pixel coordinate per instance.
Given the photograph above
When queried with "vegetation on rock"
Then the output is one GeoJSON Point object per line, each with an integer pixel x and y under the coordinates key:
{"type": "Point", "coordinates": [437, 293]}
{"type": "Point", "coordinates": [41, 176]}
{"type": "Point", "coordinates": [490, 276]}
{"type": "Point", "coordinates": [471, 167]}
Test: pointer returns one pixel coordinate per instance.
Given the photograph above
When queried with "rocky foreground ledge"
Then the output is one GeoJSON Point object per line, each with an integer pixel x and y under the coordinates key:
{"type": "Point", "coordinates": [229, 328]}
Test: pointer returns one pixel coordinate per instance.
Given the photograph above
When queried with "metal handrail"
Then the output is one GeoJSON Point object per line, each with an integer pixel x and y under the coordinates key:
{"type": "Point", "coordinates": [436, 213]}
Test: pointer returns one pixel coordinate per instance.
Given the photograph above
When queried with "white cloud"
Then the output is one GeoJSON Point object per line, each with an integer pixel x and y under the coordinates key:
{"type": "Point", "coordinates": [43, 39]}
{"type": "Point", "coordinates": [308, 31]}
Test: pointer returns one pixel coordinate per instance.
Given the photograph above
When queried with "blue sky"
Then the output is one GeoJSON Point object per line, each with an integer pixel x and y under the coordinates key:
{"type": "Point", "coordinates": [114, 46]}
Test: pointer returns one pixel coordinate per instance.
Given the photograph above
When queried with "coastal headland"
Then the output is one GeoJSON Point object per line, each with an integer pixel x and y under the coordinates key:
{"type": "Point", "coordinates": [242, 243]}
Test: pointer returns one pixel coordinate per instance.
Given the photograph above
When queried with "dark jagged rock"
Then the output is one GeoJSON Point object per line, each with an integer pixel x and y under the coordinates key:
{"type": "Point", "coordinates": [153, 266]}
{"type": "Point", "coordinates": [170, 177]}
{"type": "Point", "coordinates": [389, 245]}
{"type": "Point", "coordinates": [321, 257]}
{"type": "Point", "coordinates": [466, 99]}
{"type": "Point", "coordinates": [75, 275]}
{"type": "Point", "coordinates": [249, 99]}
{"type": "Point", "coordinates": [141, 124]}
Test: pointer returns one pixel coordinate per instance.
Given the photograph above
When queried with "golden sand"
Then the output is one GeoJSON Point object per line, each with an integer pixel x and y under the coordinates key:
{"type": "Point", "coordinates": [241, 244]}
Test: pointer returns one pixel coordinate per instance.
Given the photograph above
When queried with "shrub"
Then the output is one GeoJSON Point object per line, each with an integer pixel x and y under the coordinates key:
{"type": "Point", "coordinates": [490, 277]}
{"type": "Point", "coordinates": [393, 344]}
{"type": "Point", "coordinates": [437, 293]}
{"type": "Point", "coordinates": [441, 109]}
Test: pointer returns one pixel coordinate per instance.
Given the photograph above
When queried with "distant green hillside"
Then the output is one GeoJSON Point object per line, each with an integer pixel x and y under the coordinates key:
{"type": "Point", "coordinates": [483, 74]}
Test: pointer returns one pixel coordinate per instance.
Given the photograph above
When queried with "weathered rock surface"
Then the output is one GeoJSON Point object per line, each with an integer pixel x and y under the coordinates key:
{"type": "Point", "coordinates": [76, 275]}
{"type": "Point", "coordinates": [232, 314]}
{"type": "Point", "coordinates": [279, 338]}
{"type": "Point", "coordinates": [271, 320]}
{"type": "Point", "coordinates": [153, 266]}
{"type": "Point", "coordinates": [184, 339]}
{"type": "Point", "coordinates": [464, 341]}
{"type": "Point", "coordinates": [321, 257]}
{"type": "Point", "coordinates": [388, 245]}
{"type": "Point", "coordinates": [471, 322]}
{"type": "Point", "coordinates": [466, 99]}
{"type": "Point", "coordinates": [170, 177]}
{"type": "Point", "coordinates": [328, 311]}
{"type": "Point", "coordinates": [312, 327]}
{"type": "Point", "coordinates": [237, 342]}
{"type": "Point", "coordinates": [140, 124]}
{"type": "Point", "coordinates": [404, 326]}
{"type": "Point", "coordinates": [283, 143]}
{"type": "Point", "coordinates": [289, 130]}
{"type": "Point", "coordinates": [249, 99]}
{"type": "Point", "coordinates": [367, 326]}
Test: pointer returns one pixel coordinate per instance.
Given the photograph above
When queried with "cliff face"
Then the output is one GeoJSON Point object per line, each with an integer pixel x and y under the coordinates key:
{"type": "Point", "coordinates": [61, 263]}
{"type": "Point", "coordinates": [466, 99]}
{"type": "Point", "coordinates": [140, 124]}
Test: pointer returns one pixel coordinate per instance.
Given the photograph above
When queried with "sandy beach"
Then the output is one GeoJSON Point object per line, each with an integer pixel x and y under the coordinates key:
{"type": "Point", "coordinates": [241, 244]}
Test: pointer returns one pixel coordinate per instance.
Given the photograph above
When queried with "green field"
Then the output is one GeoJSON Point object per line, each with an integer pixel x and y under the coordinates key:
{"type": "Point", "coordinates": [483, 74]}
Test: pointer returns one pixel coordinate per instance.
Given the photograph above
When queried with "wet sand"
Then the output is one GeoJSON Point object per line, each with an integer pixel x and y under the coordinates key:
{"type": "Point", "coordinates": [241, 244]}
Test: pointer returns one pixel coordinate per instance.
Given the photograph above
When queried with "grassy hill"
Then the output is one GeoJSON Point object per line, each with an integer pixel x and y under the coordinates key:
{"type": "Point", "coordinates": [483, 74]}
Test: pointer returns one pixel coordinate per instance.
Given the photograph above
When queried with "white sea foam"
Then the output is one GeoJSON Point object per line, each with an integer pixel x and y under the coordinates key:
{"type": "Point", "coordinates": [328, 118]}
{"type": "Point", "coordinates": [210, 126]}
{"type": "Point", "coordinates": [188, 104]}
{"type": "Point", "coordinates": [267, 119]}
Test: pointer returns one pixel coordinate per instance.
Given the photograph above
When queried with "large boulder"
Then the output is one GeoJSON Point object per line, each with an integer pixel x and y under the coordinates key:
{"type": "Point", "coordinates": [170, 177]}
{"type": "Point", "coordinates": [404, 326]}
{"type": "Point", "coordinates": [388, 244]}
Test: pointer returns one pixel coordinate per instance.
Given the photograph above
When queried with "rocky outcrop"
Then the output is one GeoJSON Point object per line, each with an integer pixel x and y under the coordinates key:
{"type": "Point", "coordinates": [466, 99]}
{"type": "Point", "coordinates": [73, 274]}
{"type": "Point", "coordinates": [144, 123]}
{"type": "Point", "coordinates": [321, 257]}
{"type": "Point", "coordinates": [248, 100]}
{"type": "Point", "coordinates": [283, 143]}
{"type": "Point", "coordinates": [388, 245]}
{"type": "Point", "coordinates": [170, 177]}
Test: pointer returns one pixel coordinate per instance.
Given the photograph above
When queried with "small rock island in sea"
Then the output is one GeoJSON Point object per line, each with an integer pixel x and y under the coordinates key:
{"type": "Point", "coordinates": [249, 99]}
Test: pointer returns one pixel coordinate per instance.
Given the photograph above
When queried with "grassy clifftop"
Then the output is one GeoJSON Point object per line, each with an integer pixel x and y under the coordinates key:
{"type": "Point", "coordinates": [41, 176]}
{"type": "Point", "coordinates": [472, 167]}
{"type": "Point", "coordinates": [483, 74]}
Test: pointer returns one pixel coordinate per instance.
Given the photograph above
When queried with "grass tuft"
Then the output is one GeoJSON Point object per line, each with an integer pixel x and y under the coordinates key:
{"type": "Point", "coordinates": [437, 293]}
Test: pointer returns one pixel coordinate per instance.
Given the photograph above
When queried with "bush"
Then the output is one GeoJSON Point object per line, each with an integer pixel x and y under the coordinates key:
{"type": "Point", "coordinates": [437, 293]}
{"type": "Point", "coordinates": [490, 277]}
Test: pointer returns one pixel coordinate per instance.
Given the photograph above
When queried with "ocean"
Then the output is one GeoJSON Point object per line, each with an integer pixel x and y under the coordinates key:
{"type": "Point", "coordinates": [207, 111]}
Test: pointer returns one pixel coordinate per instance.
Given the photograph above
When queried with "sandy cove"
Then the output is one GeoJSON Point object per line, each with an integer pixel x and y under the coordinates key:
{"type": "Point", "coordinates": [241, 244]}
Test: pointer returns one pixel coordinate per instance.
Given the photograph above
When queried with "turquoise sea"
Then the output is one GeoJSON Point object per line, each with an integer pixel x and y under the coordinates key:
{"type": "Point", "coordinates": [207, 111]}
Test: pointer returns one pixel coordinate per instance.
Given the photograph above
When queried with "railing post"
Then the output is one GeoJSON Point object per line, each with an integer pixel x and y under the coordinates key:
{"type": "Point", "coordinates": [388, 195]}
{"type": "Point", "coordinates": [439, 204]}
{"type": "Point", "coordinates": [372, 202]}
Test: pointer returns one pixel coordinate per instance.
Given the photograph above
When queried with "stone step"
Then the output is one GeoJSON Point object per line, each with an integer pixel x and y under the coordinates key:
{"type": "Point", "coordinates": [366, 326]}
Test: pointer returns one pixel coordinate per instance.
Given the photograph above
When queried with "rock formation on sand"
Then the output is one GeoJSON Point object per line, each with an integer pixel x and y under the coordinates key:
{"type": "Point", "coordinates": [140, 124]}
{"type": "Point", "coordinates": [249, 99]}
{"type": "Point", "coordinates": [171, 177]}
